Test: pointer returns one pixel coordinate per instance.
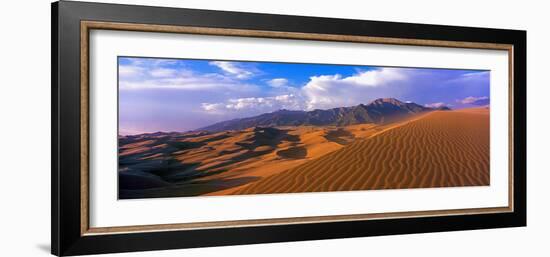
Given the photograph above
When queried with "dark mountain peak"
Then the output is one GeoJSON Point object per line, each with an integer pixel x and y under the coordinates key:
{"type": "Point", "coordinates": [392, 101]}
{"type": "Point", "coordinates": [382, 110]}
{"type": "Point", "coordinates": [443, 108]}
{"type": "Point", "coordinates": [282, 111]}
{"type": "Point", "coordinates": [362, 105]}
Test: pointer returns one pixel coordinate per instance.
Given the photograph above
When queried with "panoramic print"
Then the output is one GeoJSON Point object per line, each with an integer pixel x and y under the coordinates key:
{"type": "Point", "coordinates": [212, 127]}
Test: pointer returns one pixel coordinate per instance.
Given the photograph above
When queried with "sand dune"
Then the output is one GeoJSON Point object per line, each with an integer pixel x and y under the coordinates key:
{"type": "Point", "coordinates": [435, 149]}
{"type": "Point", "coordinates": [187, 164]}
{"type": "Point", "coordinates": [439, 149]}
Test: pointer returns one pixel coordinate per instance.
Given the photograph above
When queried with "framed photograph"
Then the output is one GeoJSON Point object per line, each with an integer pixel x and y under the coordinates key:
{"type": "Point", "coordinates": [178, 128]}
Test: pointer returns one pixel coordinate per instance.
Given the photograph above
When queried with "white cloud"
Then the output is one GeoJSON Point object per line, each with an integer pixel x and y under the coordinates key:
{"type": "Point", "coordinates": [141, 73]}
{"type": "Point", "coordinates": [188, 82]}
{"type": "Point", "coordinates": [375, 78]}
{"type": "Point", "coordinates": [278, 82]}
{"type": "Point", "coordinates": [321, 92]}
{"type": "Point", "coordinates": [470, 78]}
{"type": "Point", "coordinates": [256, 104]}
{"type": "Point", "coordinates": [233, 69]}
{"type": "Point", "coordinates": [137, 69]}
{"type": "Point", "coordinates": [163, 72]}
{"type": "Point", "coordinates": [472, 99]}
{"type": "Point", "coordinates": [328, 91]}
{"type": "Point", "coordinates": [128, 71]}
{"type": "Point", "coordinates": [435, 105]}
{"type": "Point", "coordinates": [215, 108]}
{"type": "Point", "coordinates": [475, 74]}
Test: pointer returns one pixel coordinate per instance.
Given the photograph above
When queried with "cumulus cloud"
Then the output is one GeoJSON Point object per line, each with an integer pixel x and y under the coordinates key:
{"type": "Point", "coordinates": [482, 100]}
{"type": "Point", "coordinates": [320, 92]}
{"type": "Point", "coordinates": [327, 91]}
{"type": "Point", "coordinates": [234, 69]}
{"type": "Point", "coordinates": [256, 104]}
{"type": "Point", "coordinates": [213, 107]}
{"type": "Point", "coordinates": [278, 82]}
{"type": "Point", "coordinates": [435, 105]}
{"type": "Point", "coordinates": [375, 78]}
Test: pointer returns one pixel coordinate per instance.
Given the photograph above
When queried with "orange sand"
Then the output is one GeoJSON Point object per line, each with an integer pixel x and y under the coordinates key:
{"type": "Point", "coordinates": [439, 149]}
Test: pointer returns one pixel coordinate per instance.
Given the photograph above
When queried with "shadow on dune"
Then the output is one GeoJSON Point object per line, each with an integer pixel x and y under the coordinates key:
{"type": "Point", "coordinates": [339, 136]}
{"type": "Point", "coordinates": [153, 170]}
{"type": "Point", "coordinates": [186, 189]}
{"type": "Point", "coordinates": [267, 137]}
{"type": "Point", "coordinates": [298, 152]}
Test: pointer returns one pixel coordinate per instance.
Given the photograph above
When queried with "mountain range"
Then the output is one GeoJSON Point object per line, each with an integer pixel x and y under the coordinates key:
{"type": "Point", "coordinates": [379, 111]}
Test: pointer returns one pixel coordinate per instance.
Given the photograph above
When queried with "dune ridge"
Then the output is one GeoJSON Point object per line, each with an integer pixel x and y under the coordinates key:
{"type": "Point", "coordinates": [439, 149]}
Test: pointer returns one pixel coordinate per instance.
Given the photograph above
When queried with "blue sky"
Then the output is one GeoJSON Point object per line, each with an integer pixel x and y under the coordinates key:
{"type": "Point", "coordinates": [180, 94]}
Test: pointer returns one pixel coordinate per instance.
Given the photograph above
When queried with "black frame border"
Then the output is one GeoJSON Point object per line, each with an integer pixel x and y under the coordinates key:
{"type": "Point", "coordinates": [66, 235]}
